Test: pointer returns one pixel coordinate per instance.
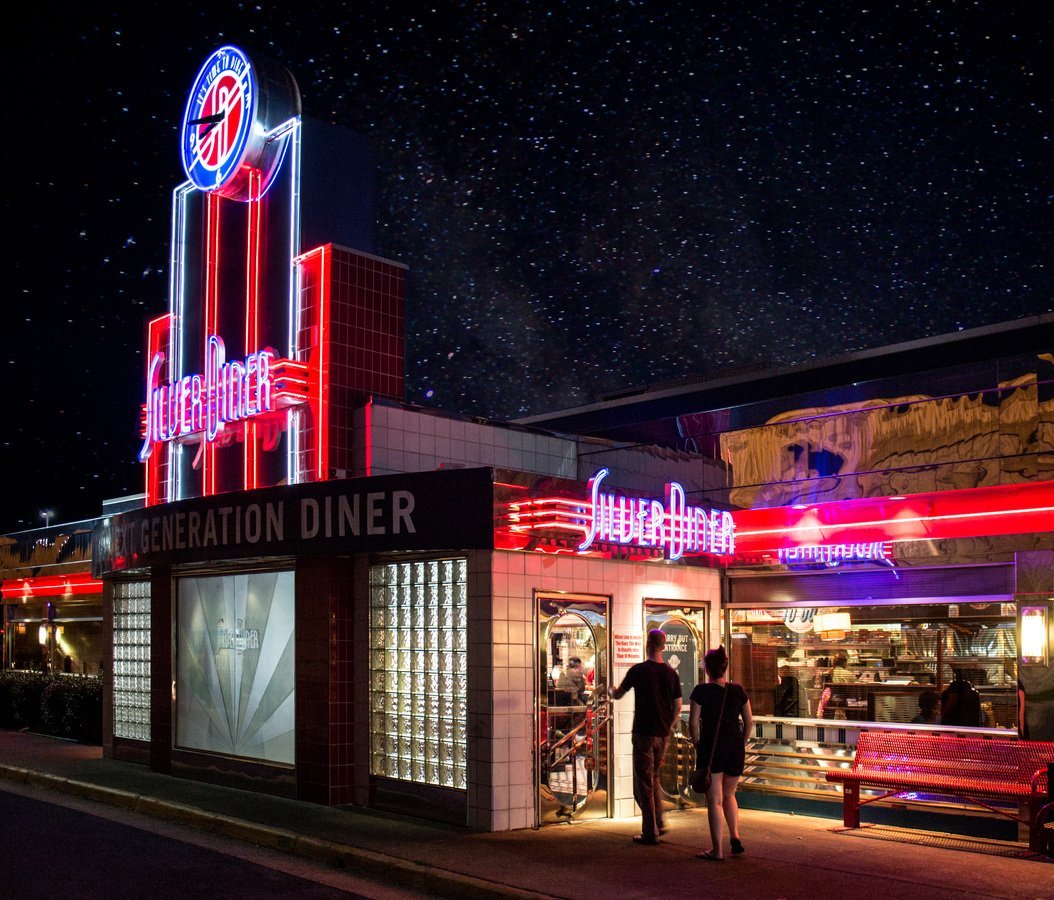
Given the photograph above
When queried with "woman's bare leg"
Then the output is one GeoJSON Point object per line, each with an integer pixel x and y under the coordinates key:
{"type": "Point", "coordinates": [714, 804]}
{"type": "Point", "coordinates": [730, 805]}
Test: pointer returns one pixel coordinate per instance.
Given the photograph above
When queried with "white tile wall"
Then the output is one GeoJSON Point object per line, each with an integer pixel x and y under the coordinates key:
{"type": "Point", "coordinates": [410, 440]}
{"type": "Point", "coordinates": [503, 793]}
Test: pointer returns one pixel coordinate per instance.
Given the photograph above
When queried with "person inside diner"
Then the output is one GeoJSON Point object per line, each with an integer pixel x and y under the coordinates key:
{"type": "Point", "coordinates": [842, 673]}
{"type": "Point", "coordinates": [929, 709]}
{"type": "Point", "coordinates": [787, 693]}
{"type": "Point", "coordinates": [571, 686]}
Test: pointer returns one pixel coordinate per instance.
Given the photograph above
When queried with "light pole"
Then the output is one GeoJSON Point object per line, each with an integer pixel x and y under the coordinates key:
{"type": "Point", "coordinates": [46, 514]}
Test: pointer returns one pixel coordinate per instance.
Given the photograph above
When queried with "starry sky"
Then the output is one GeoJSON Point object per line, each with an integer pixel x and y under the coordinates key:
{"type": "Point", "coordinates": [589, 195]}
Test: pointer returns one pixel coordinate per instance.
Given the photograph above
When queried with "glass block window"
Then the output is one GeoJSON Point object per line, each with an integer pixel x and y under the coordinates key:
{"type": "Point", "coordinates": [418, 671]}
{"type": "Point", "coordinates": [131, 660]}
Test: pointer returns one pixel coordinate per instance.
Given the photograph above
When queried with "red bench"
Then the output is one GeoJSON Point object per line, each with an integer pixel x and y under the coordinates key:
{"type": "Point", "coordinates": [977, 770]}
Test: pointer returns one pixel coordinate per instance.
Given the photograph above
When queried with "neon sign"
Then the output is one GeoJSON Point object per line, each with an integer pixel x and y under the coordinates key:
{"type": "Point", "coordinates": [675, 527]}
{"type": "Point", "coordinates": [219, 118]}
{"type": "Point", "coordinates": [227, 392]}
{"type": "Point", "coordinates": [833, 554]}
{"type": "Point", "coordinates": [236, 125]}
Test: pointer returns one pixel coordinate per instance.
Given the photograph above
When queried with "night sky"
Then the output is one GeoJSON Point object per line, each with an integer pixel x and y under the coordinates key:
{"type": "Point", "coordinates": [589, 196]}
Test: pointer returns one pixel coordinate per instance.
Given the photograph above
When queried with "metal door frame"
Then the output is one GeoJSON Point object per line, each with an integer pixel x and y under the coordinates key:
{"type": "Point", "coordinates": [652, 605]}
{"type": "Point", "coordinates": [607, 602]}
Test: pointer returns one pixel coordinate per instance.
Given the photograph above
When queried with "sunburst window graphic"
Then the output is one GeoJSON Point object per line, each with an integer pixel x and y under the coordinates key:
{"type": "Point", "coordinates": [235, 687]}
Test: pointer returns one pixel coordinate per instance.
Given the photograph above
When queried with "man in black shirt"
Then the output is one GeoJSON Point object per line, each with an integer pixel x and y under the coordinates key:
{"type": "Point", "coordinates": [961, 703]}
{"type": "Point", "coordinates": [658, 696]}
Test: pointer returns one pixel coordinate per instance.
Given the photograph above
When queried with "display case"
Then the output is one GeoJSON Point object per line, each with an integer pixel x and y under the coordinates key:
{"type": "Point", "coordinates": [793, 757]}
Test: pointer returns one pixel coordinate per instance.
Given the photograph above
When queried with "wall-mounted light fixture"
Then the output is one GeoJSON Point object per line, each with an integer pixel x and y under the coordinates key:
{"type": "Point", "coordinates": [832, 626]}
{"type": "Point", "coordinates": [1034, 632]}
{"type": "Point", "coordinates": [42, 635]}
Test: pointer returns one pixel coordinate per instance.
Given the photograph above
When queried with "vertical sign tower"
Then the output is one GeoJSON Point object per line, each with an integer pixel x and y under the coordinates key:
{"type": "Point", "coordinates": [275, 330]}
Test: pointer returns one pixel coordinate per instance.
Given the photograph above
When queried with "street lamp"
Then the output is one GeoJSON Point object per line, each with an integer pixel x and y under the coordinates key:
{"type": "Point", "coordinates": [46, 514]}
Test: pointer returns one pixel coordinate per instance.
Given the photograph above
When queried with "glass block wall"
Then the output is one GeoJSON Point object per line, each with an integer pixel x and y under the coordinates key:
{"type": "Point", "coordinates": [418, 671]}
{"type": "Point", "coordinates": [131, 660]}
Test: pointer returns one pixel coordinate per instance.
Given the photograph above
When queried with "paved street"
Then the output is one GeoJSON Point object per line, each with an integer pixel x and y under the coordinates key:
{"type": "Point", "coordinates": [54, 847]}
{"type": "Point", "coordinates": [788, 856]}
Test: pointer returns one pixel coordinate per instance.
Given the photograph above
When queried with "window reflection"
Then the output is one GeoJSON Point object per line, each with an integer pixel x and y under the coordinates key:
{"type": "Point", "coordinates": [875, 663]}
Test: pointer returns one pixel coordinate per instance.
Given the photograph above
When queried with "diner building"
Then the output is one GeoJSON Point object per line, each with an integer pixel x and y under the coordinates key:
{"type": "Point", "coordinates": [894, 515]}
{"type": "Point", "coordinates": [330, 595]}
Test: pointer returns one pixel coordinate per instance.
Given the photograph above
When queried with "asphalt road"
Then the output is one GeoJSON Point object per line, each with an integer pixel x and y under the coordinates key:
{"type": "Point", "coordinates": [59, 847]}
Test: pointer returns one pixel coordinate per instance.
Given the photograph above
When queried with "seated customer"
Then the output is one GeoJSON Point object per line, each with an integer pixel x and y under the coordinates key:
{"type": "Point", "coordinates": [928, 714]}
{"type": "Point", "coordinates": [842, 674]}
{"type": "Point", "coordinates": [571, 687]}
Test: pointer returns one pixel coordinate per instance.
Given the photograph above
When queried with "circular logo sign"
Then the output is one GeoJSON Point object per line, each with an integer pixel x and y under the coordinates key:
{"type": "Point", "coordinates": [218, 119]}
{"type": "Point", "coordinates": [799, 621]}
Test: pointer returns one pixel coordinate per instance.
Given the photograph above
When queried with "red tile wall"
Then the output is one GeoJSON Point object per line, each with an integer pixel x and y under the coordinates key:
{"type": "Point", "coordinates": [324, 680]}
{"type": "Point", "coordinates": [367, 332]}
{"type": "Point", "coordinates": [364, 355]}
{"type": "Point", "coordinates": [161, 609]}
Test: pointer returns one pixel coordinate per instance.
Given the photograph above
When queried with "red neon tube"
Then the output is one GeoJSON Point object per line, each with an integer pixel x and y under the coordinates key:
{"type": "Point", "coordinates": [50, 586]}
{"type": "Point", "coordinates": [938, 515]}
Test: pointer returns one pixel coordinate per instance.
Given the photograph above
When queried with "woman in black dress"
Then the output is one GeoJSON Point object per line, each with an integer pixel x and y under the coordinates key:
{"type": "Point", "coordinates": [729, 751]}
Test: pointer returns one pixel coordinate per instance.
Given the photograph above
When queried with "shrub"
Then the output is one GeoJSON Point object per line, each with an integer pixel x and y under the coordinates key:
{"type": "Point", "coordinates": [53, 708]}
{"type": "Point", "coordinates": [60, 705]}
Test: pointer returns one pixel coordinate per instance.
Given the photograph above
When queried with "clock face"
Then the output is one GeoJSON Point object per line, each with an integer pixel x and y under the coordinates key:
{"type": "Point", "coordinates": [218, 119]}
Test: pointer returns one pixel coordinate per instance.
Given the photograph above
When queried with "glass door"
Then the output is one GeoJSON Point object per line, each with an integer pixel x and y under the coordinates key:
{"type": "Point", "coordinates": [686, 626]}
{"type": "Point", "coordinates": [573, 712]}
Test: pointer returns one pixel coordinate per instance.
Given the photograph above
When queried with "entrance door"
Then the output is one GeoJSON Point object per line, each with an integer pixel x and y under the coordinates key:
{"type": "Point", "coordinates": [686, 626]}
{"type": "Point", "coordinates": [573, 712]}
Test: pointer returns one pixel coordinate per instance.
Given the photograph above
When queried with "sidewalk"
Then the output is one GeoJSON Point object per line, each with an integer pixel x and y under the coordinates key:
{"type": "Point", "coordinates": [787, 856]}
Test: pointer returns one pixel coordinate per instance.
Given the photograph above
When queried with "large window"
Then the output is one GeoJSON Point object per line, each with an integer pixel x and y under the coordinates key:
{"type": "Point", "coordinates": [235, 682]}
{"type": "Point", "coordinates": [875, 663]}
{"type": "Point", "coordinates": [131, 660]}
{"type": "Point", "coordinates": [418, 671]}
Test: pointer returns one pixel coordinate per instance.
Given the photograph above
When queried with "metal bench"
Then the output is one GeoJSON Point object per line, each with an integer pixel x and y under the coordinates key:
{"type": "Point", "coordinates": [976, 770]}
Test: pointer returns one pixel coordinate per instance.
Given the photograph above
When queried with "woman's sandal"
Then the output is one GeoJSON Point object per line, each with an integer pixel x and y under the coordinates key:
{"type": "Point", "coordinates": [709, 854]}
{"type": "Point", "coordinates": [737, 847]}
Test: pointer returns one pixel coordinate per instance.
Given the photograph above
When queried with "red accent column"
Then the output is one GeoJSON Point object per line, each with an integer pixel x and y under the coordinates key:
{"type": "Point", "coordinates": [325, 292]}
{"type": "Point", "coordinates": [326, 689]}
{"type": "Point", "coordinates": [313, 350]}
{"type": "Point", "coordinates": [161, 607]}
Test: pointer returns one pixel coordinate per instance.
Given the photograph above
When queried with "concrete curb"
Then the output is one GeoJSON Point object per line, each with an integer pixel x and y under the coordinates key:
{"type": "Point", "coordinates": [380, 867]}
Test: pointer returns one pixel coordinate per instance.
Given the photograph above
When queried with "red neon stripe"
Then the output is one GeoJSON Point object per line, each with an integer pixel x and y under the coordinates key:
{"type": "Point", "coordinates": [938, 515]}
{"type": "Point", "coordinates": [368, 438]}
{"type": "Point", "coordinates": [50, 586]}
{"type": "Point", "coordinates": [324, 289]}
